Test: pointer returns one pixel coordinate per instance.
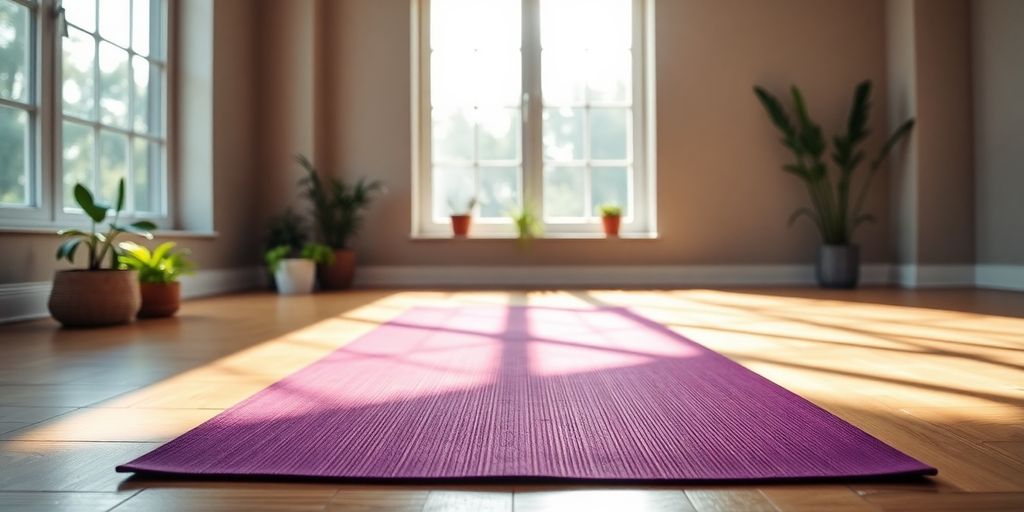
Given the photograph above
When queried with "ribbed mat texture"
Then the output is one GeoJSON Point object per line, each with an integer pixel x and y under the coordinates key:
{"type": "Point", "coordinates": [514, 392]}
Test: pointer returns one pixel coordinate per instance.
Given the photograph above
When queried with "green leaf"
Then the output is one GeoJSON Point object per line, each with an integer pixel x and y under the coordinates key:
{"type": "Point", "coordinates": [900, 133]}
{"type": "Point", "coordinates": [140, 228]}
{"type": "Point", "coordinates": [120, 195]}
{"type": "Point", "coordinates": [803, 212]}
{"type": "Point", "coordinates": [161, 251]}
{"type": "Point", "coordinates": [96, 211]}
{"type": "Point", "coordinates": [67, 249]}
{"type": "Point", "coordinates": [71, 232]}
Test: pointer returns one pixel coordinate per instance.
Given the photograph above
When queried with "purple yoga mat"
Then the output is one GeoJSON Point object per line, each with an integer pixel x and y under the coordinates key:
{"type": "Point", "coordinates": [526, 392]}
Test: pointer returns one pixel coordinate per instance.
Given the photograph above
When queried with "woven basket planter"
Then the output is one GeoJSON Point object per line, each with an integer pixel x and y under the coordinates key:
{"type": "Point", "coordinates": [93, 298]}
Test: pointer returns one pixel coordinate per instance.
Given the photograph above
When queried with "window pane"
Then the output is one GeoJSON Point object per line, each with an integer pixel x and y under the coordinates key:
{"type": "Point", "coordinates": [499, 191]}
{"type": "Point", "coordinates": [563, 192]}
{"type": "Point", "coordinates": [563, 134]}
{"type": "Point", "coordinates": [113, 85]}
{"type": "Point", "coordinates": [564, 78]}
{"type": "Point", "coordinates": [140, 26]}
{"type": "Point", "coordinates": [452, 79]}
{"type": "Point", "coordinates": [609, 134]}
{"type": "Point", "coordinates": [115, 21]}
{"type": "Point", "coordinates": [586, 23]}
{"type": "Point", "coordinates": [148, 108]}
{"type": "Point", "coordinates": [498, 134]}
{"type": "Point", "coordinates": [609, 76]}
{"type": "Point", "coordinates": [142, 153]}
{"type": "Point", "coordinates": [14, 153]}
{"type": "Point", "coordinates": [467, 24]}
{"type": "Point", "coordinates": [78, 159]}
{"type": "Point", "coordinates": [498, 78]}
{"type": "Point", "coordinates": [453, 135]}
{"type": "Point", "coordinates": [113, 163]}
{"type": "Point", "coordinates": [79, 86]}
{"type": "Point", "coordinates": [453, 188]}
{"type": "Point", "coordinates": [610, 185]}
{"type": "Point", "coordinates": [15, 43]}
{"type": "Point", "coordinates": [82, 13]}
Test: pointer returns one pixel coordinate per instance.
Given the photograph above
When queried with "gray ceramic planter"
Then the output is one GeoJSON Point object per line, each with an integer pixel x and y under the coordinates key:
{"type": "Point", "coordinates": [838, 266]}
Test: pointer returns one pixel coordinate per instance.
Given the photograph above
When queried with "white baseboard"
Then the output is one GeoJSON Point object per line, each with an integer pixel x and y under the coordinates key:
{"type": "Point", "coordinates": [630, 276]}
{"type": "Point", "coordinates": [23, 301]}
{"type": "Point", "coordinates": [221, 280]}
{"type": "Point", "coordinates": [934, 276]}
{"type": "Point", "coordinates": [1000, 277]}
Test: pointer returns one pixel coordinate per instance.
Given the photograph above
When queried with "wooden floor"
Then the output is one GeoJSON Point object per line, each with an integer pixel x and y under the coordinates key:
{"type": "Point", "coordinates": [938, 374]}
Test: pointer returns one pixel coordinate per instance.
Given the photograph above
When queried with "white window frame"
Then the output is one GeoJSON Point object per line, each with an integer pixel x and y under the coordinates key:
{"type": "Point", "coordinates": [641, 223]}
{"type": "Point", "coordinates": [47, 211]}
{"type": "Point", "coordinates": [40, 121]}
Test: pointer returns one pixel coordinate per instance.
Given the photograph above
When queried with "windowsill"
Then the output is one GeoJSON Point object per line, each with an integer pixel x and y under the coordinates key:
{"type": "Point", "coordinates": [52, 230]}
{"type": "Point", "coordinates": [429, 237]}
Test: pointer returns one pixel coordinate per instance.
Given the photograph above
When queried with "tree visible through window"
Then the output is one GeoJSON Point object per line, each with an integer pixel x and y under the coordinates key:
{"type": "Point", "coordinates": [536, 102]}
{"type": "Point", "coordinates": [83, 99]}
{"type": "Point", "coordinates": [17, 103]}
{"type": "Point", "coordinates": [113, 75]}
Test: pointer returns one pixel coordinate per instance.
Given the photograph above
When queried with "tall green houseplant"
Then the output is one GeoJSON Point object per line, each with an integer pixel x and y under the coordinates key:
{"type": "Point", "coordinates": [835, 210]}
{"type": "Point", "coordinates": [337, 210]}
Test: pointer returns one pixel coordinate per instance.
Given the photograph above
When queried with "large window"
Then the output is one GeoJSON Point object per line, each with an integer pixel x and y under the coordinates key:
{"type": "Point", "coordinates": [533, 103]}
{"type": "Point", "coordinates": [85, 102]}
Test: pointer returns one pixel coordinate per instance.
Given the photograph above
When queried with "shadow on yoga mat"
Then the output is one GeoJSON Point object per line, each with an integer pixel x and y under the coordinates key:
{"type": "Point", "coordinates": [536, 393]}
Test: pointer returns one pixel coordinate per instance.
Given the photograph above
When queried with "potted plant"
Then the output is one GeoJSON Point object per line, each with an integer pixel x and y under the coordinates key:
{"type": "Point", "coordinates": [832, 212]}
{"type": "Point", "coordinates": [101, 293]}
{"type": "Point", "coordinates": [611, 218]}
{"type": "Point", "coordinates": [295, 272]}
{"type": "Point", "coordinates": [158, 271]}
{"type": "Point", "coordinates": [289, 229]}
{"type": "Point", "coordinates": [528, 226]}
{"type": "Point", "coordinates": [337, 210]}
{"type": "Point", "coordinates": [462, 218]}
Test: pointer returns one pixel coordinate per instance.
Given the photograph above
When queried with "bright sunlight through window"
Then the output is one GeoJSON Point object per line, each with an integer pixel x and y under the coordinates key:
{"type": "Point", "coordinates": [537, 104]}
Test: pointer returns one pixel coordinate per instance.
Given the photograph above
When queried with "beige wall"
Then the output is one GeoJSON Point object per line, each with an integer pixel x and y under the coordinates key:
{"type": "Point", "coordinates": [721, 196]}
{"type": "Point", "coordinates": [999, 129]}
{"type": "Point", "coordinates": [29, 257]}
{"type": "Point", "coordinates": [331, 79]}
{"type": "Point", "coordinates": [944, 133]}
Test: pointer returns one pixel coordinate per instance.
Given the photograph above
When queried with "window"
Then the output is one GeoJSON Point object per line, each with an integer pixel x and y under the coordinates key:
{"type": "Point", "coordinates": [535, 103]}
{"type": "Point", "coordinates": [18, 110]}
{"type": "Point", "coordinates": [86, 103]}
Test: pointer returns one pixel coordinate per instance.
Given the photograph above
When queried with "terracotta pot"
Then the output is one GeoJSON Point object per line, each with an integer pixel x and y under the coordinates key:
{"type": "Point", "coordinates": [160, 299]}
{"type": "Point", "coordinates": [611, 224]}
{"type": "Point", "coordinates": [93, 298]}
{"type": "Point", "coordinates": [460, 224]}
{"type": "Point", "coordinates": [338, 276]}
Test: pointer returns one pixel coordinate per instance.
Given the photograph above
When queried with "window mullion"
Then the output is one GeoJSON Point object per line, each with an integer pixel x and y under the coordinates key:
{"type": "Point", "coordinates": [533, 158]}
{"type": "Point", "coordinates": [129, 172]}
{"type": "Point", "coordinates": [96, 109]}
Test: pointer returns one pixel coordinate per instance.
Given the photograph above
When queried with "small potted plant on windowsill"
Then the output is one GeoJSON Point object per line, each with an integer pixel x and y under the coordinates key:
{"type": "Point", "coordinates": [338, 214]}
{"type": "Point", "coordinates": [528, 226]}
{"type": "Point", "coordinates": [159, 271]}
{"type": "Point", "coordinates": [611, 219]}
{"type": "Point", "coordinates": [295, 271]}
{"type": "Point", "coordinates": [462, 218]}
{"type": "Point", "coordinates": [97, 295]}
